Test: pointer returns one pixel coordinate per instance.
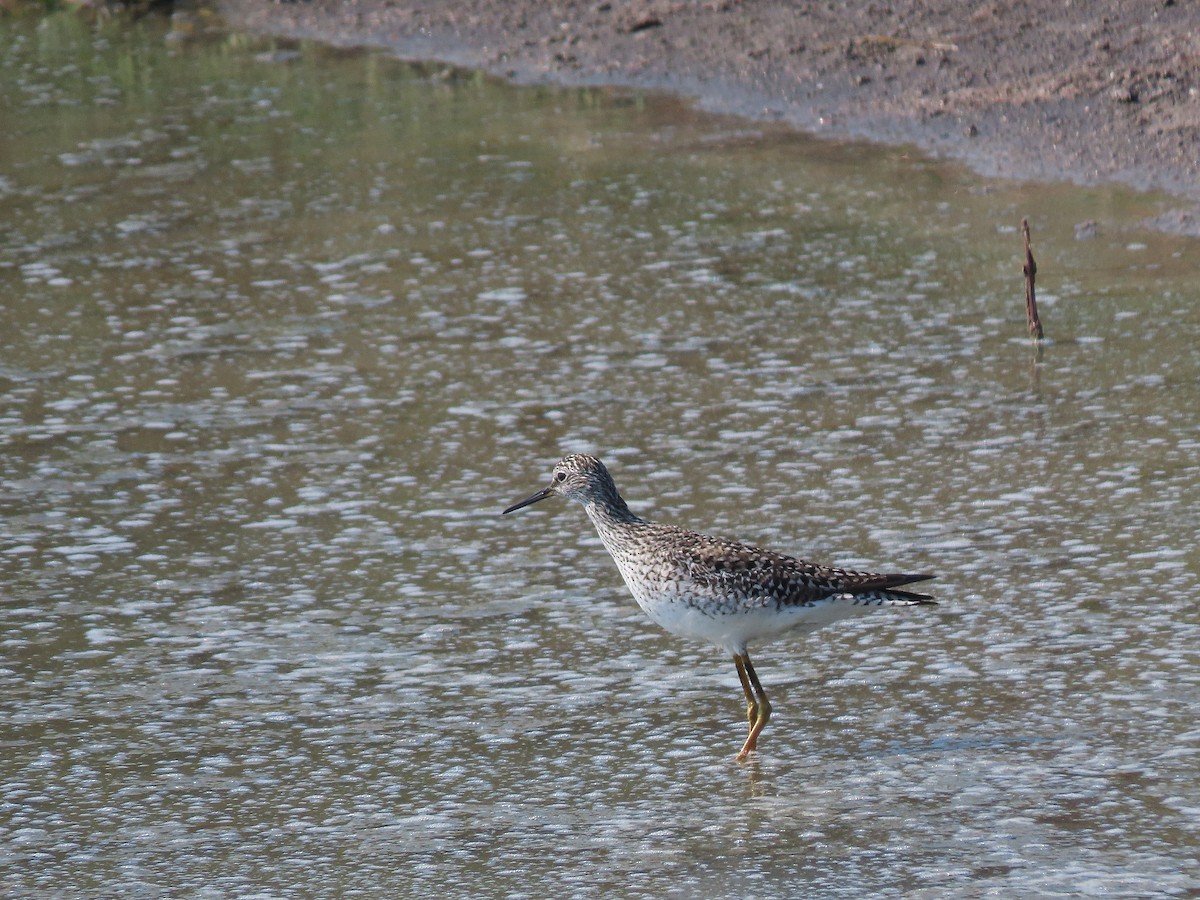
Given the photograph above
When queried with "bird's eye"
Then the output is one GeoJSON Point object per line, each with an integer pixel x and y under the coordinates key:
{"type": "Point", "coordinates": [560, 476]}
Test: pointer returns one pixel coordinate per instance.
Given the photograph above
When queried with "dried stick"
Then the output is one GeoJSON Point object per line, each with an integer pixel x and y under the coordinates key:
{"type": "Point", "coordinates": [1030, 269]}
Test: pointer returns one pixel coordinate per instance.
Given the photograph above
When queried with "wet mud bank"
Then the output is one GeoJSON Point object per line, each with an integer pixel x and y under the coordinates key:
{"type": "Point", "coordinates": [1026, 90]}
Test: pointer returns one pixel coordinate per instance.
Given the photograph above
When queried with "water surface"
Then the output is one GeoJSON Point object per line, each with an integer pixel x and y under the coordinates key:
{"type": "Point", "coordinates": [286, 327]}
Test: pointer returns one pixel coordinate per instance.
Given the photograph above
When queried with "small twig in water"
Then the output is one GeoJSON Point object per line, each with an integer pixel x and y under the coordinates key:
{"type": "Point", "coordinates": [1030, 269]}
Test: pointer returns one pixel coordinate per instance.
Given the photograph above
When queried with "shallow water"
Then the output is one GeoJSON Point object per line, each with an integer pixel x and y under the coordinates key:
{"type": "Point", "coordinates": [288, 326]}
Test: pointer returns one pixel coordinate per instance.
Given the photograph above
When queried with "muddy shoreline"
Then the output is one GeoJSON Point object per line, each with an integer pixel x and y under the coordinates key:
{"type": "Point", "coordinates": [1039, 90]}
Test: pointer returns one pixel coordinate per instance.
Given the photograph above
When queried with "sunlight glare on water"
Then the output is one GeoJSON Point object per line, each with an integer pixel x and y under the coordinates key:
{"type": "Point", "coordinates": [287, 327]}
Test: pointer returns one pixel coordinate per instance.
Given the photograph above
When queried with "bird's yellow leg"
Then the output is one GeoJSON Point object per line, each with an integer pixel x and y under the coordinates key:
{"type": "Point", "coordinates": [760, 708]}
{"type": "Point", "coordinates": [751, 703]}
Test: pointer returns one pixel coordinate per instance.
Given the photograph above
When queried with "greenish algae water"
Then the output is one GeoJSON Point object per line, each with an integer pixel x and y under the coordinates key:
{"type": "Point", "coordinates": [287, 326]}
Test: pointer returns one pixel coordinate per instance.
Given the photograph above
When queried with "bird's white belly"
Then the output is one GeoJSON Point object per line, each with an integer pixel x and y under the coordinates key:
{"type": "Point", "coordinates": [685, 609]}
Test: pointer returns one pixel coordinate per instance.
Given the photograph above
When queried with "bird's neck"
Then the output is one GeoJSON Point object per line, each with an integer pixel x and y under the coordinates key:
{"type": "Point", "coordinates": [611, 512]}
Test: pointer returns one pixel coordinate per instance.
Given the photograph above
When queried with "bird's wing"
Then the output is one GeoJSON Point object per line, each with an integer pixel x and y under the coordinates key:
{"type": "Point", "coordinates": [753, 571]}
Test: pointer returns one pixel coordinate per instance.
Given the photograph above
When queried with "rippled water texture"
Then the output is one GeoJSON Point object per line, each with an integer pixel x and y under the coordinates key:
{"type": "Point", "coordinates": [287, 327]}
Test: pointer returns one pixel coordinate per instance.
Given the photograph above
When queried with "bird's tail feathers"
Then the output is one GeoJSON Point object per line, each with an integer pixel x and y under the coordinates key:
{"type": "Point", "coordinates": [908, 598]}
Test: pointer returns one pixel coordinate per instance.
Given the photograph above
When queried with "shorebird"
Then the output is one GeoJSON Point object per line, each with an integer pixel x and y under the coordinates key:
{"type": "Point", "coordinates": [716, 590]}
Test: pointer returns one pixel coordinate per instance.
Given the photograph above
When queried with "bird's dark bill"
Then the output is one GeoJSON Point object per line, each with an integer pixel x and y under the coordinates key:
{"type": "Point", "coordinates": [532, 498]}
